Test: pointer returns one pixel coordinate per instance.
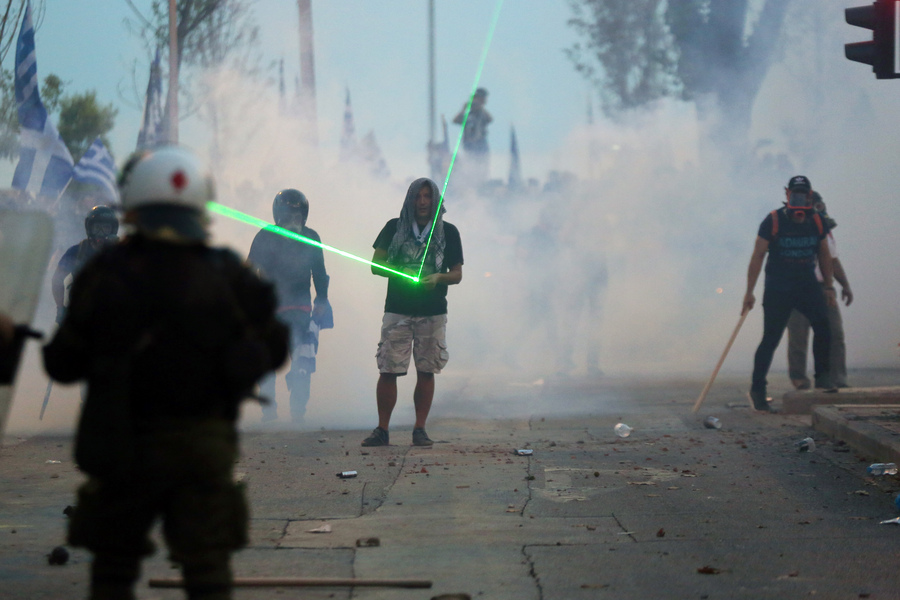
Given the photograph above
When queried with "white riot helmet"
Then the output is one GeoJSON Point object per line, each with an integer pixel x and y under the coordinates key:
{"type": "Point", "coordinates": [167, 188]}
{"type": "Point", "coordinates": [165, 175]}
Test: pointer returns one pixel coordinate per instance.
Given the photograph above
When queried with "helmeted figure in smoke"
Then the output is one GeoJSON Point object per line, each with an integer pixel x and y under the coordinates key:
{"type": "Point", "coordinates": [290, 264]}
{"type": "Point", "coordinates": [101, 226]}
{"type": "Point", "coordinates": [170, 335]}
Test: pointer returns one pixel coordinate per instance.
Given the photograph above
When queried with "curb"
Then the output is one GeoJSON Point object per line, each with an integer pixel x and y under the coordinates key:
{"type": "Point", "coordinates": [858, 425]}
{"type": "Point", "coordinates": [802, 403]}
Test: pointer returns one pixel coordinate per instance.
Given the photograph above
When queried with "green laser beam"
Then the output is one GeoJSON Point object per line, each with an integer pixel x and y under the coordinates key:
{"type": "Point", "coordinates": [237, 215]}
{"type": "Point", "coordinates": [251, 220]}
{"type": "Point", "coordinates": [481, 61]}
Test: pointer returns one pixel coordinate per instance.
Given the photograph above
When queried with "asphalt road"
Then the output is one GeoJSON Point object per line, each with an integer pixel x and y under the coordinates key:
{"type": "Point", "coordinates": [675, 510]}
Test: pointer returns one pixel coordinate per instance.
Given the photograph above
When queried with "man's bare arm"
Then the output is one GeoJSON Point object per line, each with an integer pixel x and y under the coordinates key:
{"type": "Point", "coordinates": [760, 248]}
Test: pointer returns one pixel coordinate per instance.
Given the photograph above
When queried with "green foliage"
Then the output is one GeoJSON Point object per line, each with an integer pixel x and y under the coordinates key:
{"type": "Point", "coordinates": [82, 119]}
{"type": "Point", "coordinates": [209, 31]}
{"type": "Point", "coordinates": [9, 117]}
{"type": "Point", "coordinates": [51, 92]}
{"type": "Point", "coordinates": [638, 51]}
{"type": "Point", "coordinates": [626, 51]}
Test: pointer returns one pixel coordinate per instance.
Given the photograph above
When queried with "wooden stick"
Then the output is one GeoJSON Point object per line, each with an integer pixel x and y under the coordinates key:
{"type": "Point", "coordinates": [719, 365]}
{"type": "Point", "coordinates": [177, 582]}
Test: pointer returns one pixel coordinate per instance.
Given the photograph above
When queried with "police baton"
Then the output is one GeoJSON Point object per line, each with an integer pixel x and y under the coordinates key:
{"type": "Point", "coordinates": [46, 399]}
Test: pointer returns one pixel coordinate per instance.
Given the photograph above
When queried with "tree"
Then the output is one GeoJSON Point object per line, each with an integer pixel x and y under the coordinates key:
{"type": "Point", "coordinates": [714, 53]}
{"type": "Point", "coordinates": [11, 13]}
{"type": "Point", "coordinates": [82, 119]}
{"type": "Point", "coordinates": [209, 31]}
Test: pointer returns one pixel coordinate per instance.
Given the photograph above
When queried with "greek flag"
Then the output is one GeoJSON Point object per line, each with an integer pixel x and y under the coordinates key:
{"type": "Point", "coordinates": [515, 169]}
{"type": "Point", "coordinates": [348, 133]}
{"type": "Point", "coordinates": [97, 167]}
{"type": "Point", "coordinates": [45, 165]}
{"type": "Point", "coordinates": [152, 126]}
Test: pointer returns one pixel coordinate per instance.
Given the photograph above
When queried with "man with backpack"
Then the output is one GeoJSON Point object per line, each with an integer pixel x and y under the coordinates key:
{"type": "Point", "coordinates": [798, 326]}
{"type": "Point", "coordinates": [795, 238]}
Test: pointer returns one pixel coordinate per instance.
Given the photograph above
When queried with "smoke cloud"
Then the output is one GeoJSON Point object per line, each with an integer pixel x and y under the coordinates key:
{"type": "Point", "coordinates": [630, 259]}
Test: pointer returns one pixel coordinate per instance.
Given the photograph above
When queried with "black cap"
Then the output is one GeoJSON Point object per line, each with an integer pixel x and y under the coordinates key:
{"type": "Point", "coordinates": [799, 183]}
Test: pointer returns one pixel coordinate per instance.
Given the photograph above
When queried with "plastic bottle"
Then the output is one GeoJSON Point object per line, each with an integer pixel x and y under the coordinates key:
{"type": "Point", "coordinates": [712, 423]}
{"type": "Point", "coordinates": [806, 445]}
{"type": "Point", "coordinates": [622, 430]}
{"type": "Point", "coordinates": [882, 469]}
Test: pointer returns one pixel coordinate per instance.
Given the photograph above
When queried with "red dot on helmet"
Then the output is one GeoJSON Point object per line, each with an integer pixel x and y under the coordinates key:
{"type": "Point", "coordinates": [179, 180]}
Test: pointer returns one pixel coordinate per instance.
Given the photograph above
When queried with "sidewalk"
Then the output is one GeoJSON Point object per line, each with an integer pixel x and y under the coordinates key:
{"type": "Point", "coordinates": [673, 511]}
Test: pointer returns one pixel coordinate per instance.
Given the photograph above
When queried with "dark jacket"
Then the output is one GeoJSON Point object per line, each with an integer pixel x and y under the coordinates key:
{"type": "Point", "coordinates": [165, 331]}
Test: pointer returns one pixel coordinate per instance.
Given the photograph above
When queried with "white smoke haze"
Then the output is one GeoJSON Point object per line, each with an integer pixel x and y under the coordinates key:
{"type": "Point", "coordinates": [674, 228]}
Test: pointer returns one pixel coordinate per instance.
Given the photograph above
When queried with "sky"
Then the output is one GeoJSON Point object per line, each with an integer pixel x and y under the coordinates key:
{"type": "Point", "coordinates": [379, 50]}
{"type": "Point", "coordinates": [671, 231]}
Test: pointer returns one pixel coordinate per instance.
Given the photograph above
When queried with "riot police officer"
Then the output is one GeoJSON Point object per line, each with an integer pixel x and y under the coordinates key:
{"type": "Point", "coordinates": [170, 335]}
{"type": "Point", "coordinates": [101, 226]}
{"type": "Point", "coordinates": [290, 264]}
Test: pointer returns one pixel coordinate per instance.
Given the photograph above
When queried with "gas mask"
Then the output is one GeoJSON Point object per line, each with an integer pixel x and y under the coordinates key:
{"type": "Point", "coordinates": [799, 204]}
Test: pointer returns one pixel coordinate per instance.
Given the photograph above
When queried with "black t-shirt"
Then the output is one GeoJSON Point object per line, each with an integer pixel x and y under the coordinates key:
{"type": "Point", "coordinates": [407, 297]}
{"type": "Point", "coordinates": [793, 252]}
{"type": "Point", "coordinates": [170, 311]}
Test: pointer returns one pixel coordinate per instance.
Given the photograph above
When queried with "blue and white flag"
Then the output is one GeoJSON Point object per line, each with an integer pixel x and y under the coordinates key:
{"type": "Point", "coordinates": [45, 165]}
{"type": "Point", "coordinates": [152, 126]}
{"type": "Point", "coordinates": [515, 169]}
{"type": "Point", "coordinates": [349, 149]}
{"type": "Point", "coordinates": [97, 167]}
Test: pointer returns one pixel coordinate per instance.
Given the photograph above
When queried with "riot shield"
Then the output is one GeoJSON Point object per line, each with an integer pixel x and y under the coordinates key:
{"type": "Point", "coordinates": [25, 243]}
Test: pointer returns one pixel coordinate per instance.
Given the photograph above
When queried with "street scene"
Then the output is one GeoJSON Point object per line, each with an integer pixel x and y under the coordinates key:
{"type": "Point", "coordinates": [445, 300]}
{"type": "Point", "coordinates": [674, 510]}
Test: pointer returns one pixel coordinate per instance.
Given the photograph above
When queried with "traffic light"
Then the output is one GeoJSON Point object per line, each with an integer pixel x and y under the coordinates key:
{"type": "Point", "coordinates": [883, 52]}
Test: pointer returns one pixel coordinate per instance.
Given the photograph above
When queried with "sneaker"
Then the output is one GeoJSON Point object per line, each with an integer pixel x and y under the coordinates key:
{"type": "Point", "coordinates": [420, 438]}
{"type": "Point", "coordinates": [759, 402]}
{"type": "Point", "coordinates": [800, 384]}
{"type": "Point", "coordinates": [826, 386]}
{"type": "Point", "coordinates": [378, 437]}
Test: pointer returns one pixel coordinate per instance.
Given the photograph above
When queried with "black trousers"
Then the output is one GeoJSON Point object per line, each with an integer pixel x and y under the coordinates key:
{"type": "Point", "coordinates": [808, 300]}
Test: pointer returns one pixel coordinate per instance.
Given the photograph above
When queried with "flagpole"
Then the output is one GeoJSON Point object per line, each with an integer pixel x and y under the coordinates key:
{"type": "Point", "coordinates": [172, 100]}
{"type": "Point", "coordinates": [308, 69]}
{"type": "Point", "coordinates": [431, 111]}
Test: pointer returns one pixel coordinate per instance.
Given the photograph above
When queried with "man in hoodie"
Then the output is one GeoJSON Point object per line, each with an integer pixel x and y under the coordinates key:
{"type": "Point", "coordinates": [415, 312]}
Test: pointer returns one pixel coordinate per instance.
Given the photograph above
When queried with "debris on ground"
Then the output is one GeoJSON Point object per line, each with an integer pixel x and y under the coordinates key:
{"type": "Point", "coordinates": [58, 556]}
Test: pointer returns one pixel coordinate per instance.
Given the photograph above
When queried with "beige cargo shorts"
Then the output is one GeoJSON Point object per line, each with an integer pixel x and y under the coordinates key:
{"type": "Point", "coordinates": [424, 336]}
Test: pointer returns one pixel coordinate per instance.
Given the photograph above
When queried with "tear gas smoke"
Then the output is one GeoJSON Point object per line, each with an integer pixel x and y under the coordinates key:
{"type": "Point", "coordinates": [631, 257]}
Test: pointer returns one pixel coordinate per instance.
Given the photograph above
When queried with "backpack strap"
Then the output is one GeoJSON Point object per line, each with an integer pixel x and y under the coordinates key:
{"type": "Point", "coordinates": [774, 214]}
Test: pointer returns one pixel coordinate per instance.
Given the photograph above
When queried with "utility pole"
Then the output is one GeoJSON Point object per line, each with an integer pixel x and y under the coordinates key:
{"type": "Point", "coordinates": [431, 111]}
{"type": "Point", "coordinates": [308, 70]}
{"type": "Point", "coordinates": [172, 99]}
